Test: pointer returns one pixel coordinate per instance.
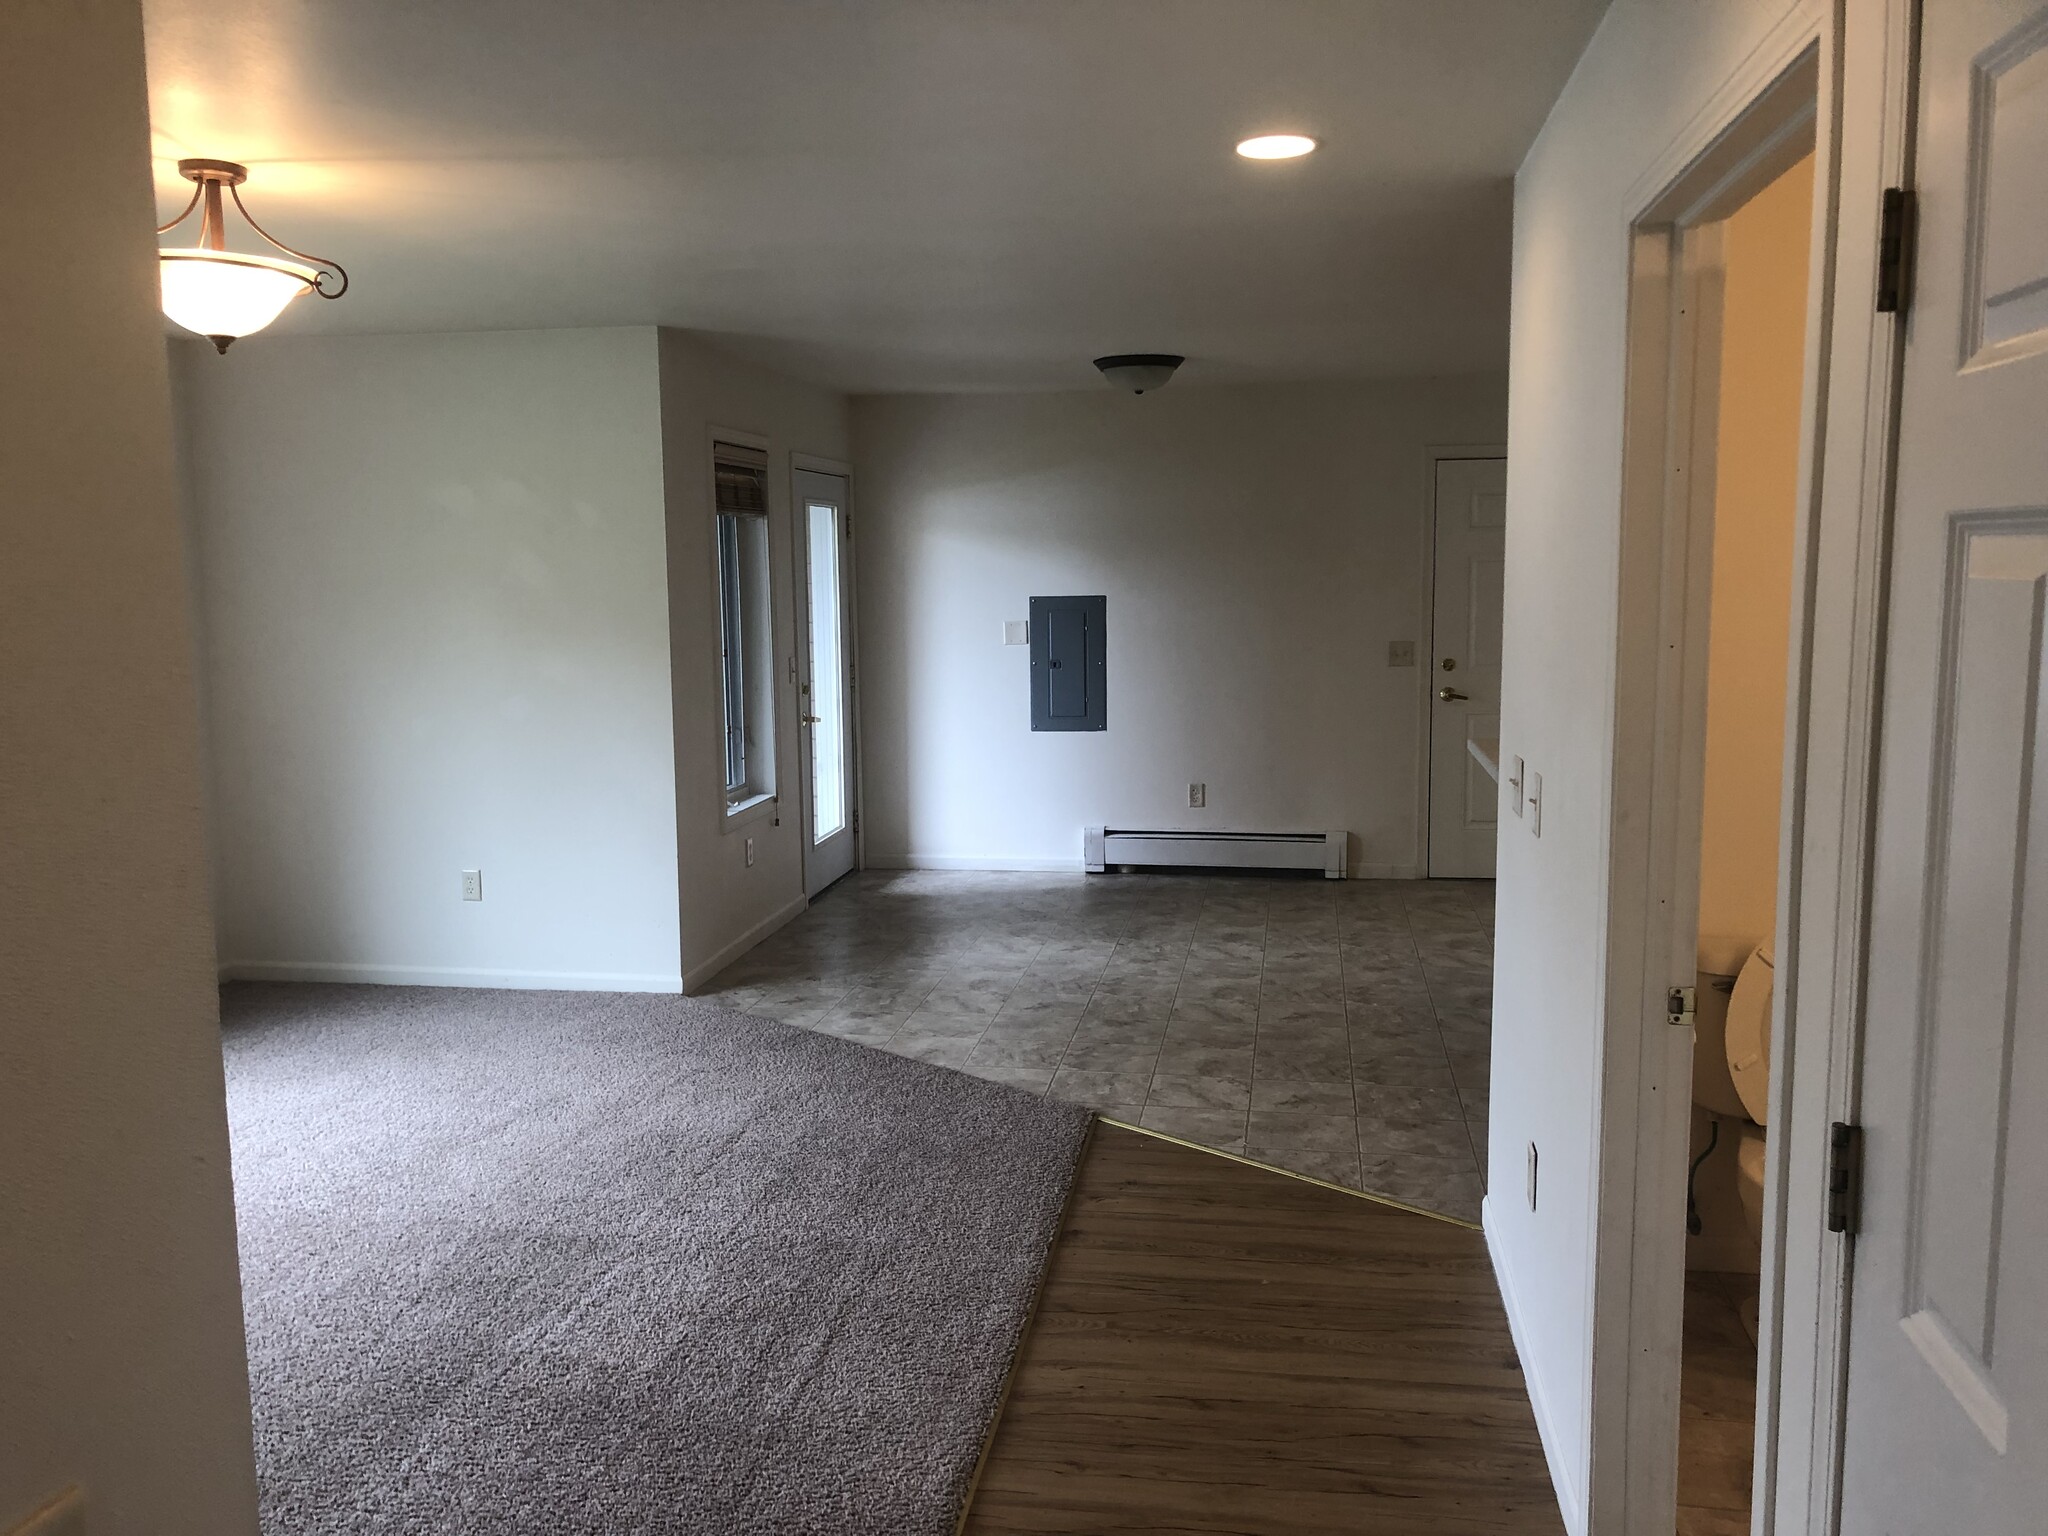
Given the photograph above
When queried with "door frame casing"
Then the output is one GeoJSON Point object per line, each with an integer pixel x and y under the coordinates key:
{"type": "Point", "coordinates": [801, 605]}
{"type": "Point", "coordinates": [1814, 1077]}
{"type": "Point", "coordinates": [1671, 402]}
{"type": "Point", "coordinates": [1433, 454]}
{"type": "Point", "coordinates": [1860, 93]}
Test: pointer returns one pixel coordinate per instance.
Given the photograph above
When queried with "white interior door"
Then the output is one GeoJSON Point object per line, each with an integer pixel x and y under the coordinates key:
{"type": "Point", "coordinates": [825, 678]}
{"type": "Point", "coordinates": [1464, 675]}
{"type": "Point", "coordinates": [1946, 1427]}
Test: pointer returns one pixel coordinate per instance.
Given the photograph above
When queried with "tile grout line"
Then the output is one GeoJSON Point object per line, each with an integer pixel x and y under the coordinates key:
{"type": "Point", "coordinates": [1152, 1075]}
{"type": "Point", "coordinates": [1437, 1018]}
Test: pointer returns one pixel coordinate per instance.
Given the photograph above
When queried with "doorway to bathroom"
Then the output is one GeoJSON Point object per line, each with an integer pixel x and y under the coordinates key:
{"type": "Point", "coordinates": [1750, 290]}
{"type": "Point", "coordinates": [1716, 508]}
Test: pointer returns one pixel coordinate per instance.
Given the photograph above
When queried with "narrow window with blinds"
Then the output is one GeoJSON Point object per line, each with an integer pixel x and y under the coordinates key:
{"type": "Point", "coordinates": [745, 623]}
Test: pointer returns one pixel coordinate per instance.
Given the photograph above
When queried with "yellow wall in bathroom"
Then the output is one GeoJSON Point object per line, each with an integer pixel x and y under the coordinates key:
{"type": "Point", "coordinates": [1763, 334]}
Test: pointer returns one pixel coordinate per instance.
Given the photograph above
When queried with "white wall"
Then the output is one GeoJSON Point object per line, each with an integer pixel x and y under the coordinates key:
{"type": "Point", "coordinates": [120, 1309]}
{"type": "Point", "coordinates": [1650, 71]}
{"type": "Point", "coordinates": [436, 638]}
{"type": "Point", "coordinates": [1259, 547]}
{"type": "Point", "coordinates": [707, 394]}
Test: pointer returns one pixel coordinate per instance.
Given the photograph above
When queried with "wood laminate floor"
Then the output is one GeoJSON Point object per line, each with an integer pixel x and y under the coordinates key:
{"type": "Point", "coordinates": [1219, 1348]}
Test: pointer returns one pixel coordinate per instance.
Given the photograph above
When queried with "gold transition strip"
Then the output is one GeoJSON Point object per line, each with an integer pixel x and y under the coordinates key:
{"type": "Point", "coordinates": [1306, 1178]}
{"type": "Point", "coordinates": [995, 1419]}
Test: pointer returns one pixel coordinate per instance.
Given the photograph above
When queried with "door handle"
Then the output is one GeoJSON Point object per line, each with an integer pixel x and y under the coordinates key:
{"type": "Point", "coordinates": [812, 719]}
{"type": "Point", "coordinates": [1451, 695]}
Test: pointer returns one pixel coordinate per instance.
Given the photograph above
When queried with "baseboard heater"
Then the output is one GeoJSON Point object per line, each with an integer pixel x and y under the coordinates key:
{"type": "Point", "coordinates": [1103, 846]}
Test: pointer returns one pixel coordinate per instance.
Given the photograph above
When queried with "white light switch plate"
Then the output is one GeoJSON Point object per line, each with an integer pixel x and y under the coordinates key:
{"type": "Point", "coordinates": [1535, 803]}
{"type": "Point", "coordinates": [1516, 780]}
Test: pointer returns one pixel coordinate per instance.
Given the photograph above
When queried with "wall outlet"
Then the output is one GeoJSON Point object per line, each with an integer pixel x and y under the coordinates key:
{"type": "Point", "coordinates": [1515, 782]}
{"type": "Point", "coordinates": [472, 885]}
{"type": "Point", "coordinates": [1198, 796]}
{"type": "Point", "coordinates": [1532, 1175]}
{"type": "Point", "coordinates": [1016, 631]}
{"type": "Point", "coordinates": [1535, 799]}
{"type": "Point", "coordinates": [1400, 653]}
{"type": "Point", "coordinates": [750, 853]}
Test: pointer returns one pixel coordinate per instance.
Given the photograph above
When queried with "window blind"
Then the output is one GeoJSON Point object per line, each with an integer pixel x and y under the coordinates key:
{"type": "Point", "coordinates": [741, 476]}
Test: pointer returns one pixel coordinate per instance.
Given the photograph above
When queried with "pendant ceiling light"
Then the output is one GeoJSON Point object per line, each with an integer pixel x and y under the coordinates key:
{"type": "Point", "coordinates": [222, 294]}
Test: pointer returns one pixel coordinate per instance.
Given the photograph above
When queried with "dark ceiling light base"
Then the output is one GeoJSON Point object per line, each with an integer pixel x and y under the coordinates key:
{"type": "Point", "coordinates": [202, 171]}
{"type": "Point", "coordinates": [1139, 371]}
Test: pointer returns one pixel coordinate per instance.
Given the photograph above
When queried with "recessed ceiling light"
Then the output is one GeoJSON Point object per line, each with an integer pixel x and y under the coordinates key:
{"type": "Point", "coordinates": [1276, 146]}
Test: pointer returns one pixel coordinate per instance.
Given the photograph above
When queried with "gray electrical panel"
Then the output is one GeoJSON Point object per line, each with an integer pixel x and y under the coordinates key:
{"type": "Point", "coordinates": [1069, 664]}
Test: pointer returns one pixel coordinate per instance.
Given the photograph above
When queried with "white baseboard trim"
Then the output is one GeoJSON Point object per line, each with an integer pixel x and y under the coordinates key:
{"type": "Point", "coordinates": [704, 970]}
{"type": "Point", "coordinates": [951, 861]}
{"type": "Point", "coordinates": [447, 976]}
{"type": "Point", "coordinates": [1074, 866]}
{"type": "Point", "coordinates": [1571, 1502]}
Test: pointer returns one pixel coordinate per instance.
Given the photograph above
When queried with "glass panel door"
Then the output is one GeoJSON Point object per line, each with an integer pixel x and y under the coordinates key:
{"type": "Point", "coordinates": [828, 675]}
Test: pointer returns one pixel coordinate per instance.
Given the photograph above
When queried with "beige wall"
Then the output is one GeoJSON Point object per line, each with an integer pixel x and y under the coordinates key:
{"type": "Point", "coordinates": [1258, 546]}
{"type": "Point", "coordinates": [727, 906]}
{"type": "Point", "coordinates": [436, 639]}
{"type": "Point", "coordinates": [1756, 485]}
{"type": "Point", "coordinates": [120, 1313]}
{"type": "Point", "coordinates": [459, 604]}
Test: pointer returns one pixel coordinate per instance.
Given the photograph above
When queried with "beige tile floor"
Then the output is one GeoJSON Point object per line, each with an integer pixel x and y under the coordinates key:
{"type": "Point", "coordinates": [1335, 1028]}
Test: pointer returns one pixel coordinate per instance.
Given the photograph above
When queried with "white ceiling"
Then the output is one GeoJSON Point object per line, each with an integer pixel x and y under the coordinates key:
{"type": "Point", "coordinates": [892, 194]}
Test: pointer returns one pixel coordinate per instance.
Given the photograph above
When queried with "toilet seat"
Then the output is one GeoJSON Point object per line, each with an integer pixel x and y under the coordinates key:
{"type": "Point", "coordinates": [1749, 1034]}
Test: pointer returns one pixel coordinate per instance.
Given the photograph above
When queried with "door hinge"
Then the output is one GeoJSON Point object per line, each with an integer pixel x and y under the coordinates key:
{"type": "Point", "coordinates": [1897, 234]}
{"type": "Point", "coordinates": [1679, 1004]}
{"type": "Point", "coordinates": [856, 823]}
{"type": "Point", "coordinates": [1845, 1177]}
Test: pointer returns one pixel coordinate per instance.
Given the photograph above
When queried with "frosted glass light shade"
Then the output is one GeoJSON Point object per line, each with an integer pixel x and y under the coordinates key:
{"type": "Point", "coordinates": [224, 294]}
{"type": "Point", "coordinates": [1276, 146]}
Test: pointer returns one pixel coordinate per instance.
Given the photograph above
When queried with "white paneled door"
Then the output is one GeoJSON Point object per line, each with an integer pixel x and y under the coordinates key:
{"type": "Point", "coordinates": [1464, 666]}
{"type": "Point", "coordinates": [1946, 1427]}
{"type": "Point", "coordinates": [825, 680]}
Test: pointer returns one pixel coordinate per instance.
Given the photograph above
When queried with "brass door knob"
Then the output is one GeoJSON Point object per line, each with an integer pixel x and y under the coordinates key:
{"type": "Point", "coordinates": [1451, 695]}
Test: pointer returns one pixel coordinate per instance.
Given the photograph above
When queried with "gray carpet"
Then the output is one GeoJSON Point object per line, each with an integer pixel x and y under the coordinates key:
{"type": "Point", "coordinates": [579, 1262]}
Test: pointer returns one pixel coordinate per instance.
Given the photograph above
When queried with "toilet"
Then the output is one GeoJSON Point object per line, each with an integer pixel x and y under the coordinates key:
{"type": "Point", "coordinates": [1732, 1067]}
{"type": "Point", "coordinates": [1749, 1064]}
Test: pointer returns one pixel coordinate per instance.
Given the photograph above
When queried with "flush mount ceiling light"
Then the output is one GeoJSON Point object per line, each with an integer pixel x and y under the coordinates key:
{"type": "Point", "coordinates": [1276, 146]}
{"type": "Point", "coordinates": [222, 294]}
{"type": "Point", "coordinates": [1139, 371]}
